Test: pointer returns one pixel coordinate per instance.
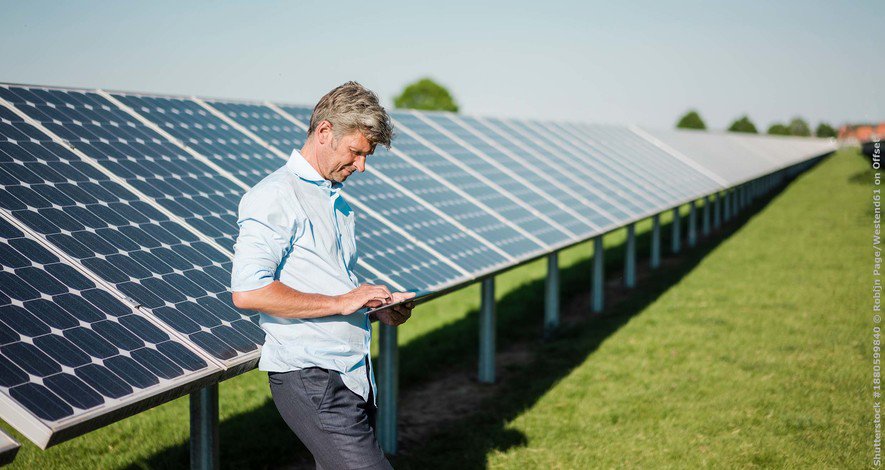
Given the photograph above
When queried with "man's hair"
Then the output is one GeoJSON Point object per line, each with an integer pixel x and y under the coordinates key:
{"type": "Point", "coordinates": [353, 107]}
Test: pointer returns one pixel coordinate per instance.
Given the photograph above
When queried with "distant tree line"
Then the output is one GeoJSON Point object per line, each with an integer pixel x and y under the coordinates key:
{"type": "Point", "coordinates": [797, 126]}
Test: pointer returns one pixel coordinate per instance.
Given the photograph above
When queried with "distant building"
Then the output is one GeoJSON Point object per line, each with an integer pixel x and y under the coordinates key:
{"type": "Point", "coordinates": [857, 134]}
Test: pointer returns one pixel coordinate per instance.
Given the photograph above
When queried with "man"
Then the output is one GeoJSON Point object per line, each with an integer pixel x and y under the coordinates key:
{"type": "Point", "coordinates": [293, 263]}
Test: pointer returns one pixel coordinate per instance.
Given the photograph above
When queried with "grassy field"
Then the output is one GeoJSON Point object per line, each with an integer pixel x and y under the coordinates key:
{"type": "Point", "coordinates": [750, 352]}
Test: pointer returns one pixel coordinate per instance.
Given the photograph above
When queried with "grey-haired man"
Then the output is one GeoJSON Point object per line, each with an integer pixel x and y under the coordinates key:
{"type": "Point", "coordinates": [294, 263]}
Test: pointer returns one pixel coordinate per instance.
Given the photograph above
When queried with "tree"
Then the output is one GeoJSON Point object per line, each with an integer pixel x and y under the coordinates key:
{"type": "Point", "coordinates": [825, 130]}
{"type": "Point", "coordinates": [427, 95]}
{"type": "Point", "coordinates": [691, 120]}
{"type": "Point", "coordinates": [778, 129]}
{"type": "Point", "coordinates": [743, 124]}
{"type": "Point", "coordinates": [799, 127]}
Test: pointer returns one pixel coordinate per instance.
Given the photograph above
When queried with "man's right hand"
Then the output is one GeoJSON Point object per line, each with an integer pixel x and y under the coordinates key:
{"type": "Point", "coordinates": [366, 295]}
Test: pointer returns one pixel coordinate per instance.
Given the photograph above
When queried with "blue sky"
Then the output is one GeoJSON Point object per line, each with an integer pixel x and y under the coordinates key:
{"type": "Point", "coordinates": [619, 62]}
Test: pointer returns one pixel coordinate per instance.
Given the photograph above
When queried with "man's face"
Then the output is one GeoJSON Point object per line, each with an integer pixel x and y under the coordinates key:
{"type": "Point", "coordinates": [343, 155]}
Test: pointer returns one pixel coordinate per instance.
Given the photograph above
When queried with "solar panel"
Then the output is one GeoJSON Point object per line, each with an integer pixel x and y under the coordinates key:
{"type": "Point", "coordinates": [784, 150]}
{"type": "Point", "coordinates": [595, 167]}
{"type": "Point", "coordinates": [646, 164]}
{"type": "Point", "coordinates": [593, 196]}
{"type": "Point", "coordinates": [71, 350]}
{"type": "Point", "coordinates": [207, 134]}
{"type": "Point", "coordinates": [154, 166]}
{"type": "Point", "coordinates": [718, 152]}
{"type": "Point", "coordinates": [682, 178]}
{"type": "Point", "coordinates": [519, 204]}
{"type": "Point", "coordinates": [264, 122]}
{"type": "Point", "coordinates": [489, 160]}
{"type": "Point", "coordinates": [400, 259]}
{"type": "Point", "coordinates": [612, 164]}
{"type": "Point", "coordinates": [126, 241]}
{"type": "Point", "coordinates": [437, 187]}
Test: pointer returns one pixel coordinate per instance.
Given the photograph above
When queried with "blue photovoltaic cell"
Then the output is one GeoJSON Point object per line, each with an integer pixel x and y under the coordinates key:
{"type": "Point", "coordinates": [399, 259]}
{"type": "Point", "coordinates": [126, 147]}
{"type": "Point", "coordinates": [474, 182]}
{"type": "Point", "coordinates": [617, 163]}
{"type": "Point", "coordinates": [264, 122]}
{"type": "Point", "coordinates": [595, 166]}
{"type": "Point", "coordinates": [568, 177]}
{"type": "Point", "coordinates": [125, 241]}
{"type": "Point", "coordinates": [615, 156]}
{"type": "Point", "coordinates": [530, 193]}
{"type": "Point", "coordinates": [67, 345]}
{"type": "Point", "coordinates": [392, 204]}
{"type": "Point", "coordinates": [209, 135]}
{"type": "Point", "coordinates": [660, 168]}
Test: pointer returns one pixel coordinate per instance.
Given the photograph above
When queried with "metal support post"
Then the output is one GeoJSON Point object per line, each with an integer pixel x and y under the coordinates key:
{"type": "Point", "coordinates": [630, 257]}
{"type": "Point", "coordinates": [735, 202]}
{"type": "Point", "coordinates": [388, 385]}
{"type": "Point", "coordinates": [726, 215]}
{"type": "Point", "coordinates": [717, 210]}
{"type": "Point", "coordinates": [705, 230]}
{"type": "Point", "coordinates": [739, 199]}
{"type": "Point", "coordinates": [551, 294]}
{"type": "Point", "coordinates": [692, 224]}
{"type": "Point", "coordinates": [676, 239]}
{"type": "Point", "coordinates": [487, 332]}
{"type": "Point", "coordinates": [204, 428]}
{"type": "Point", "coordinates": [655, 259]}
{"type": "Point", "coordinates": [598, 290]}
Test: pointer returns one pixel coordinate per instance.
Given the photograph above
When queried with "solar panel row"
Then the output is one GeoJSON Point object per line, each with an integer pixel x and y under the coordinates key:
{"type": "Point", "coordinates": [119, 217]}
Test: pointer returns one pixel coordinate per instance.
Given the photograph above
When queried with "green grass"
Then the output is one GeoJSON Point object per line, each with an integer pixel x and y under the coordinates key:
{"type": "Point", "coordinates": [748, 353]}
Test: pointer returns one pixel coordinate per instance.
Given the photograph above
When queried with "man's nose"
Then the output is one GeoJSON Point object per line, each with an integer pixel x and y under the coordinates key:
{"type": "Point", "coordinates": [360, 163]}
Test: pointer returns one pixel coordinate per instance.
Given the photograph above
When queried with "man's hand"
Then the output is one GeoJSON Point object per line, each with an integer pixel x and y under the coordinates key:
{"type": "Point", "coordinates": [398, 314]}
{"type": "Point", "coordinates": [366, 295]}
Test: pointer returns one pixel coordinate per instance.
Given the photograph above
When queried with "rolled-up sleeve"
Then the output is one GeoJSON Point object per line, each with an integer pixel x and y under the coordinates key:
{"type": "Point", "coordinates": [267, 220]}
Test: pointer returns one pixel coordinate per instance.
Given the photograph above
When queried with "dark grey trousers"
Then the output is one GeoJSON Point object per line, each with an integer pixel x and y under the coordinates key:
{"type": "Point", "coordinates": [336, 425]}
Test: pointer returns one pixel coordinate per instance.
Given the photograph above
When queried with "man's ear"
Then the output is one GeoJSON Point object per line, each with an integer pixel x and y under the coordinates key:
{"type": "Point", "coordinates": [324, 132]}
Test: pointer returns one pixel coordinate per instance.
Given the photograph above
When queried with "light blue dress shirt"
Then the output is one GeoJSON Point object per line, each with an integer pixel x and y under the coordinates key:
{"type": "Point", "coordinates": [296, 227]}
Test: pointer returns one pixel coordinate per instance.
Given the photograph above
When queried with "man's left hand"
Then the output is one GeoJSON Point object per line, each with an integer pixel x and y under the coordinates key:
{"type": "Point", "coordinates": [398, 314]}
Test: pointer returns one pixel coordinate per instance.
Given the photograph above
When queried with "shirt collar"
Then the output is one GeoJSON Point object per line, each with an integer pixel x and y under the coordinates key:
{"type": "Point", "coordinates": [298, 165]}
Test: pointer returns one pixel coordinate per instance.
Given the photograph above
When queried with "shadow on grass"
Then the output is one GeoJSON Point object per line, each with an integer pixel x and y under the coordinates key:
{"type": "Point", "coordinates": [260, 439]}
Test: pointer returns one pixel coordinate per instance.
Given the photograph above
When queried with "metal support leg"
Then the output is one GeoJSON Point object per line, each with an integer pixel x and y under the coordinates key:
{"type": "Point", "coordinates": [717, 211]}
{"type": "Point", "coordinates": [692, 224]}
{"type": "Point", "coordinates": [388, 385]}
{"type": "Point", "coordinates": [735, 202]}
{"type": "Point", "coordinates": [598, 290]}
{"type": "Point", "coordinates": [487, 332]}
{"type": "Point", "coordinates": [551, 294]}
{"type": "Point", "coordinates": [204, 428]}
{"type": "Point", "coordinates": [630, 257]}
{"type": "Point", "coordinates": [655, 260]}
{"type": "Point", "coordinates": [706, 224]}
{"type": "Point", "coordinates": [676, 239]}
{"type": "Point", "coordinates": [726, 206]}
